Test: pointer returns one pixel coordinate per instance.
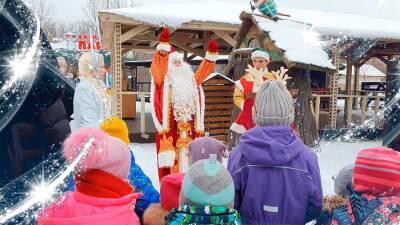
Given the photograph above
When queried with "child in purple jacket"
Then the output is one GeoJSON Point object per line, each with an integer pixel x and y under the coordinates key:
{"type": "Point", "coordinates": [276, 177]}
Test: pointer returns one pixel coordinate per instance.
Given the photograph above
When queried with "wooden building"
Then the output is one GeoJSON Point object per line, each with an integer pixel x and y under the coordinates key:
{"type": "Point", "coordinates": [218, 92]}
{"type": "Point", "coordinates": [288, 44]}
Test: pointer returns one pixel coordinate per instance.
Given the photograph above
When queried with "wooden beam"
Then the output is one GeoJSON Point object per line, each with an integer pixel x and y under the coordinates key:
{"type": "Point", "coordinates": [107, 31]}
{"type": "Point", "coordinates": [206, 39]}
{"type": "Point", "coordinates": [356, 82]}
{"type": "Point", "coordinates": [112, 18]}
{"type": "Point", "coordinates": [361, 50]}
{"type": "Point", "coordinates": [152, 38]}
{"type": "Point", "coordinates": [133, 32]}
{"type": "Point", "coordinates": [349, 76]}
{"type": "Point", "coordinates": [383, 59]}
{"type": "Point", "coordinates": [385, 52]}
{"type": "Point", "coordinates": [195, 45]}
{"type": "Point", "coordinates": [139, 48]}
{"type": "Point", "coordinates": [211, 26]}
{"type": "Point", "coordinates": [155, 42]}
{"type": "Point", "coordinates": [117, 72]}
{"type": "Point", "coordinates": [191, 57]}
{"type": "Point", "coordinates": [188, 48]}
{"type": "Point", "coordinates": [226, 37]}
{"type": "Point", "coordinates": [334, 89]}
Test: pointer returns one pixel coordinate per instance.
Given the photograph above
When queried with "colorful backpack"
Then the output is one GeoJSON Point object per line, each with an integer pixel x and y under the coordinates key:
{"type": "Point", "coordinates": [203, 215]}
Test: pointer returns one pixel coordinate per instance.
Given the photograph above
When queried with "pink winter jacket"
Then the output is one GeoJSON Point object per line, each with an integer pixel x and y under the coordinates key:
{"type": "Point", "coordinates": [80, 209]}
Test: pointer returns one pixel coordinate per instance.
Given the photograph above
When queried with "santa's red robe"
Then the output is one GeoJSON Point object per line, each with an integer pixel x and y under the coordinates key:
{"type": "Point", "coordinates": [168, 137]}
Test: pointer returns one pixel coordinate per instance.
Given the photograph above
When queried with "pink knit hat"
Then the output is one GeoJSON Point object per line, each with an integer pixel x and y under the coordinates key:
{"type": "Point", "coordinates": [103, 152]}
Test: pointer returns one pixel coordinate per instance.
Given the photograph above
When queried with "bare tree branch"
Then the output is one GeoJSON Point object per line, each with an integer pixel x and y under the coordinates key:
{"type": "Point", "coordinates": [92, 6]}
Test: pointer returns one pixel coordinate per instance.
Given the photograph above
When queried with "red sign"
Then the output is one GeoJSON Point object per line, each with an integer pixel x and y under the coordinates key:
{"type": "Point", "coordinates": [85, 43]}
{"type": "Point", "coordinates": [70, 36]}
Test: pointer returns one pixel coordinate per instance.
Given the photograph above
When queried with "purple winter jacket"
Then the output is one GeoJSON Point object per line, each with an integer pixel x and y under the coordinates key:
{"type": "Point", "coordinates": [276, 177]}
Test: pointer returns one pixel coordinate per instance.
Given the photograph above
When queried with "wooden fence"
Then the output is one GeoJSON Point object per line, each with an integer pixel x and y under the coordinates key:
{"type": "Point", "coordinates": [350, 110]}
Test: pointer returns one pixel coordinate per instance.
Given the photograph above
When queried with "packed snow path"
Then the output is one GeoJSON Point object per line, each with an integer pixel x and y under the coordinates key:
{"type": "Point", "coordinates": [332, 157]}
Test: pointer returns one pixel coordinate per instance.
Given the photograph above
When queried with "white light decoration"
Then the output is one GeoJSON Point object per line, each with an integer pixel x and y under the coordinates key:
{"type": "Point", "coordinates": [310, 36]}
{"type": "Point", "coordinates": [21, 64]}
{"type": "Point", "coordinates": [42, 192]}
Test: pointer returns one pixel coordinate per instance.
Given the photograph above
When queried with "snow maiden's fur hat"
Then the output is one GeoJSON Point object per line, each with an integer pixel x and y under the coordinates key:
{"type": "Point", "coordinates": [104, 152]}
{"type": "Point", "coordinates": [89, 63]}
{"type": "Point", "coordinates": [260, 53]}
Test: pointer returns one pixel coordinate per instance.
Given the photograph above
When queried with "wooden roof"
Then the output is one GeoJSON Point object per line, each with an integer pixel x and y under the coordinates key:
{"type": "Point", "coordinates": [190, 37]}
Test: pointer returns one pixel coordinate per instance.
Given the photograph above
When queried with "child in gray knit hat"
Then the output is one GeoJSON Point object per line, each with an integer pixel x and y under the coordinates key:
{"type": "Point", "coordinates": [273, 106]}
{"type": "Point", "coordinates": [344, 180]}
{"type": "Point", "coordinates": [272, 151]}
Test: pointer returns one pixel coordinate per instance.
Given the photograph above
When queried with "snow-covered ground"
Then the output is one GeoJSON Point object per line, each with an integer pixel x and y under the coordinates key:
{"type": "Point", "coordinates": [332, 157]}
{"type": "Point", "coordinates": [336, 155]}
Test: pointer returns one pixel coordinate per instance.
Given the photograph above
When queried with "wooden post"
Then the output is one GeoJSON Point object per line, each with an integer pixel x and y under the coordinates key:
{"type": "Point", "coordinates": [305, 120]}
{"type": "Point", "coordinates": [317, 108]}
{"type": "Point", "coordinates": [349, 73]}
{"type": "Point", "coordinates": [356, 89]}
{"type": "Point", "coordinates": [334, 88]}
{"type": "Point", "coordinates": [364, 109]}
{"type": "Point", "coordinates": [142, 113]}
{"type": "Point", "coordinates": [117, 72]}
{"type": "Point", "coordinates": [377, 104]}
{"type": "Point", "coordinates": [349, 111]}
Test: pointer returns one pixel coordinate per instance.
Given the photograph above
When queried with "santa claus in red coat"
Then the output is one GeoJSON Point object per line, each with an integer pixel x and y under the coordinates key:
{"type": "Point", "coordinates": [177, 100]}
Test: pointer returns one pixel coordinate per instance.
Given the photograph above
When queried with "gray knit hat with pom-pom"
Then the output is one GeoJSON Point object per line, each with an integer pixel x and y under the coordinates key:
{"type": "Point", "coordinates": [273, 105]}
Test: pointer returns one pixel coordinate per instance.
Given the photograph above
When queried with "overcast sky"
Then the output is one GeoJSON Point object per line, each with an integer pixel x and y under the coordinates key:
{"type": "Point", "coordinates": [71, 10]}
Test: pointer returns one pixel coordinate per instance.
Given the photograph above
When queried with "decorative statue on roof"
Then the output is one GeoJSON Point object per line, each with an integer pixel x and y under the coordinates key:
{"type": "Point", "coordinates": [267, 8]}
{"type": "Point", "coordinates": [177, 100]}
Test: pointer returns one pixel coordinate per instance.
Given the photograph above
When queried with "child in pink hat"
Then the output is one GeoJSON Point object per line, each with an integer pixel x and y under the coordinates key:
{"type": "Point", "coordinates": [102, 195]}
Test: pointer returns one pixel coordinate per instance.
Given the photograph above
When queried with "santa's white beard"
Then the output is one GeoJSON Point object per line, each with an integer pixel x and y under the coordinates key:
{"type": "Point", "coordinates": [184, 91]}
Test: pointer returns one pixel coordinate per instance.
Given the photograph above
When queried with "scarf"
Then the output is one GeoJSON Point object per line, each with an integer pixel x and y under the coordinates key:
{"type": "Point", "coordinates": [99, 184]}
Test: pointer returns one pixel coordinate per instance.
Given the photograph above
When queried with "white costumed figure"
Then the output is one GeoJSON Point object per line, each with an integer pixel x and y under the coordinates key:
{"type": "Point", "coordinates": [92, 104]}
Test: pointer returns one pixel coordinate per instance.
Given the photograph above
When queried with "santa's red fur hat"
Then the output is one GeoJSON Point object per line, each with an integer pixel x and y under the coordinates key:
{"type": "Point", "coordinates": [164, 45]}
{"type": "Point", "coordinates": [212, 53]}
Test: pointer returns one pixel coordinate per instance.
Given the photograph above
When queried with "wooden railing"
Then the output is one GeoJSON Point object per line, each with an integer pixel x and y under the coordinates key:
{"type": "Point", "coordinates": [349, 112]}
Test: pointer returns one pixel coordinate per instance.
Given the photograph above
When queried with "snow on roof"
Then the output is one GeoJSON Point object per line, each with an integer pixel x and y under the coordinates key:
{"type": "Point", "coordinates": [218, 74]}
{"type": "Point", "coordinates": [220, 57]}
{"type": "Point", "coordinates": [366, 70]}
{"type": "Point", "coordinates": [344, 24]}
{"type": "Point", "coordinates": [177, 14]}
{"type": "Point", "coordinates": [298, 42]}
{"type": "Point", "coordinates": [324, 22]}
